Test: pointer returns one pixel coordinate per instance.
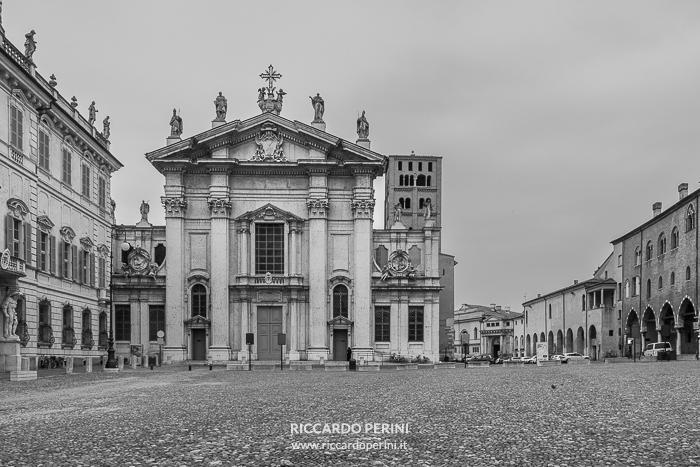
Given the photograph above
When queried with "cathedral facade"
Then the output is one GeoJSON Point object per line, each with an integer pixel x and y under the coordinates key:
{"type": "Point", "coordinates": [269, 232]}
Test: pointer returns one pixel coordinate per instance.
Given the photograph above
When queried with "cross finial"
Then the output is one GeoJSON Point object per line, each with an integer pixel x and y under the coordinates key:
{"type": "Point", "coordinates": [270, 76]}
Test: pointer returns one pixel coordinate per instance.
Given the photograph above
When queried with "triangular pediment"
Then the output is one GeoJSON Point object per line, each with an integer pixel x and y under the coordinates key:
{"type": "Point", "coordinates": [197, 320]}
{"type": "Point", "coordinates": [340, 321]}
{"type": "Point", "coordinates": [261, 139]}
{"type": "Point", "coordinates": [269, 212]}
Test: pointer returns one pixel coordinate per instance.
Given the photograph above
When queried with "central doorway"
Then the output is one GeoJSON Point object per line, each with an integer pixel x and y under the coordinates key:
{"type": "Point", "coordinates": [269, 325]}
{"type": "Point", "coordinates": [199, 344]}
{"type": "Point", "coordinates": [340, 344]}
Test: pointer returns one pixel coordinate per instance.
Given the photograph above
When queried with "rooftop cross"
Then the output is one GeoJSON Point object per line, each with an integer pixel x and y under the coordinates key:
{"type": "Point", "coordinates": [271, 76]}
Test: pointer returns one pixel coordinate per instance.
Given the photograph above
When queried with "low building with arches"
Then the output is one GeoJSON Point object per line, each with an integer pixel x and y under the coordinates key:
{"type": "Point", "coordinates": [488, 330]}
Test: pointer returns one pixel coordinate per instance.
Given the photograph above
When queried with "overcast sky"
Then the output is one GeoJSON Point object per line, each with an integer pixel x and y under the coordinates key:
{"type": "Point", "coordinates": [560, 123]}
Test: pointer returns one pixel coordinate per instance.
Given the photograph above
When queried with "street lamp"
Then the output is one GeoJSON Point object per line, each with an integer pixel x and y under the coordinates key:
{"type": "Point", "coordinates": [111, 360]}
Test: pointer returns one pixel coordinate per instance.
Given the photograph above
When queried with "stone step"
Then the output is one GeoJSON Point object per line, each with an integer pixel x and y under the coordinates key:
{"type": "Point", "coordinates": [22, 375]}
{"type": "Point", "coordinates": [300, 367]}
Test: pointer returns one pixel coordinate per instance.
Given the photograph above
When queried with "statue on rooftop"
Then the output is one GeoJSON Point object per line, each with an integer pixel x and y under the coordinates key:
{"type": "Point", "coordinates": [319, 107]}
{"type": "Point", "coordinates": [175, 124]}
{"type": "Point", "coordinates": [144, 209]}
{"type": "Point", "coordinates": [29, 45]}
{"type": "Point", "coordinates": [92, 113]}
{"type": "Point", "coordinates": [105, 127]}
{"type": "Point", "coordinates": [221, 106]}
{"type": "Point", "coordinates": [362, 127]}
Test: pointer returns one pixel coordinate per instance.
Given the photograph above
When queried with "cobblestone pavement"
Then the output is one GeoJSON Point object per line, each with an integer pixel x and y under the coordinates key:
{"type": "Point", "coordinates": [594, 415]}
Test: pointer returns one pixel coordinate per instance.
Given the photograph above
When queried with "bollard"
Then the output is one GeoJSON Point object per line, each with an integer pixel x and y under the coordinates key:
{"type": "Point", "coordinates": [190, 368]}
{"type": "Point", "coordinates": [210, 367]}
{"type": "Point", "coordinates": [151, 367]}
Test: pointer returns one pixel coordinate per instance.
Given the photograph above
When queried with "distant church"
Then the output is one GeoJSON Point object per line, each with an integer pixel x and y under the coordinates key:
{"type": "Point", "coordinates": [269, 230]}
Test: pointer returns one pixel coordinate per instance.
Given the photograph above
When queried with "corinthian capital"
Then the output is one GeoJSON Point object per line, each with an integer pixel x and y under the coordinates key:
{"type": "Point", "coordinates": [219, 206]}
{"type": "Point", "coordinates": [363, 208]}
{"type": "Point", "coordinates": [318, 207]}
{"type": "Point", "coordinates": [174, 205]}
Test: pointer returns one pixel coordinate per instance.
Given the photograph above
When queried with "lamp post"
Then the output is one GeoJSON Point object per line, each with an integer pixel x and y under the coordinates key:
{"type": "Point", "coordinates": [111, 359]}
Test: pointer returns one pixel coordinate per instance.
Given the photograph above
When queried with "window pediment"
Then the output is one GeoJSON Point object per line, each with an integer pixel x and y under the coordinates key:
{"type": "Point", "coordinates": [17, 207]}
{"type": "Point", "coordinates": [67, 234]}
{"type": "Point", "coordinates": [269, 212]}
{"type": "Point", "coordinates": [44, 223]}
{"type": "Point", "coordinates": [340, 321]}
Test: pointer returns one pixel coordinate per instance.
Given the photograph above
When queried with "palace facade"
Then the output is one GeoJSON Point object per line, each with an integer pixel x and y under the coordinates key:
{"type": "Point", "coordinates": [55, 184]}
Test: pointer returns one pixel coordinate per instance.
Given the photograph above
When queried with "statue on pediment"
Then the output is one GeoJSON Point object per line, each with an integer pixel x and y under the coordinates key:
{"type": "Point", "coordinates": [221, 105]}
{"type": "Point", "coordinates": [362, 127]}
{"type": "Point", "coordinates": [29, 45]}
{"type": "Point", "coordinates": [175, 124]}
{"type": "Point", "coordinates": [319, 107]}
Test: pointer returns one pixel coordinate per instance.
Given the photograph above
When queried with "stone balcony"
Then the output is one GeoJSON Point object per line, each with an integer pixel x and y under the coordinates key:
{"type": "Point", "coordinates": [13, 267]}
{"type": "Point", "coordinates": [269, 281]}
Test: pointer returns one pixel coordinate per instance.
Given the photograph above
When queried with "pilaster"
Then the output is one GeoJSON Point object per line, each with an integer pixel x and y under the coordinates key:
{"type": "Point", "coordinates": [318, 205]}
{"type": "Point", "coordinates": [220, 207]}
{"type": "Point", "coordinates": [175, 347]}
{"type": "Point", "coordinates": [362, 208]}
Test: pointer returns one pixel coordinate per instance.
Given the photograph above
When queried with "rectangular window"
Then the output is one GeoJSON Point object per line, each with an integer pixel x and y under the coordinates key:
{"type": "Point", "coordinates": [43, 253]}
{"type": "Point", "coordinates": [86, 180]}
{"type": "Point", "coordinates": [43, 150]}
{"type": "Point", "coordinates": [65, 260]}
{"type": "Point", "coordinates": [415, 323]}
{"type": "Point", "coordinates": [382, 318]}
{"type": "Point", "coordinates": [122, 322]}
{"type": "Point", "coordinates": [15, 244]}
{"type": "Point", "coordinates": [400, 165]}
{"type": "Point", "coordinates": [67, 167]}
{"type": "Point", "coordinates": [420, 167]}
{"type": "Point", "coordinates": [16, 130]}
{"type": "Point", "coordinates": [102, 193]}
{"type": "Point", "coordinates": [410, 166]}
{"type": "Point", "coordinates": [619, 260]}
{"type": "Point", "coordinates": [430, 166]}
{"type": "Point", "coordinates": [101, 263]}
{"type": "Point", "coordinates": [85, 267]}
{"type": "Point", "coordinates": [156, 321]}
{"type": "Point", "coordinates": [269, 248]}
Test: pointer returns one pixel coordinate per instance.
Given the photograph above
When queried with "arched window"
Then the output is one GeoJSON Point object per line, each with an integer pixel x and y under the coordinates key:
{"type": "Point", "coordinates": [650, 250]}
{"type": "Point", "coordinates": [476, 333]}
{"type": "Point", "coordinates": [199, 300]}
{"type": "Point", "coordinates": [690, 219]}
{"type": "Point", "coordinates": [627, 288]}
{"type": "Point", "coordinates": [86, 339]}
{"type": "Point", "coordinates": [673, 278]}
{"type": "Point", "coordinates": [687, 273]}
{"type": "Point", "coordinates": [648, 288]}
{"type": "Point", "coordinates": [674, 238]}
{"type": "Point", "coordinates": [400, 180]}
{"type": "Point", "coordinates": [421, 203]}
{"type": "Point", "coordinates": [408, 203]}
{"type": "Point", "coordinates": [662, 244]}
{"type": "Point", "coordinates": [661, 282]}
{"type": "Point", "coordinates": [420, 180]}
{"type": "Point", "coordinates": [401, 203]}
{"type": "Point", "coordinates": [69, 339]}
{"type": "Point", "coordinates": [102, 340]}
{"type": "Point", "coordinates": [428, 181]}
{"type": "Point", "coordinates": [412, 181]}
{"type": "Point", "coordinates": [637, 256]}
{"type": "Point", "coordinates": [340, 301]}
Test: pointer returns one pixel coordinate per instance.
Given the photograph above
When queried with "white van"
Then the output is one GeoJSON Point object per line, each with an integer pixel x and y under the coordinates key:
{"type": "Point", "coordinates": [653, 350]}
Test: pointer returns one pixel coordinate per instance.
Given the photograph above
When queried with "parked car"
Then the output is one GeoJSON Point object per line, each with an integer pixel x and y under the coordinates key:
{"type": "Point", "coordinates": [559, 357]}
{"type": "Point", "coordinates": [574, 356]}
{"type": "Point", "coordinates": [532, 359]}
{"type": "Point", "coordinates": [653, 349]}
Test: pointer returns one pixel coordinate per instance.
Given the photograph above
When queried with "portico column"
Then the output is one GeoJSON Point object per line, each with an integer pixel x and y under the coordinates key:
{"type": "Point", "coordinates": [679, 338]}
{"type": "Point", "coordinates": [220, 207]}
{"type": "Point", "coordinates": [363, 208]}
{"type": "Point", "coordinates": [318, 264]}
{"type": "Point", "coordinates": [175, 347]}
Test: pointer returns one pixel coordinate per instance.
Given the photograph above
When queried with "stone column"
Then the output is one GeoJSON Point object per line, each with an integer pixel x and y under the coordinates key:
{"type": "Point", "coordinates": [220, 207]}
{"type": "Point", "coordinates": [363, 208]}
{"type": "Point", "coordinates": [679, 338]}
{"type": "Point", "coordinates": [318, 273]}
{"type": "Point", "coordinates": [175, 347]}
